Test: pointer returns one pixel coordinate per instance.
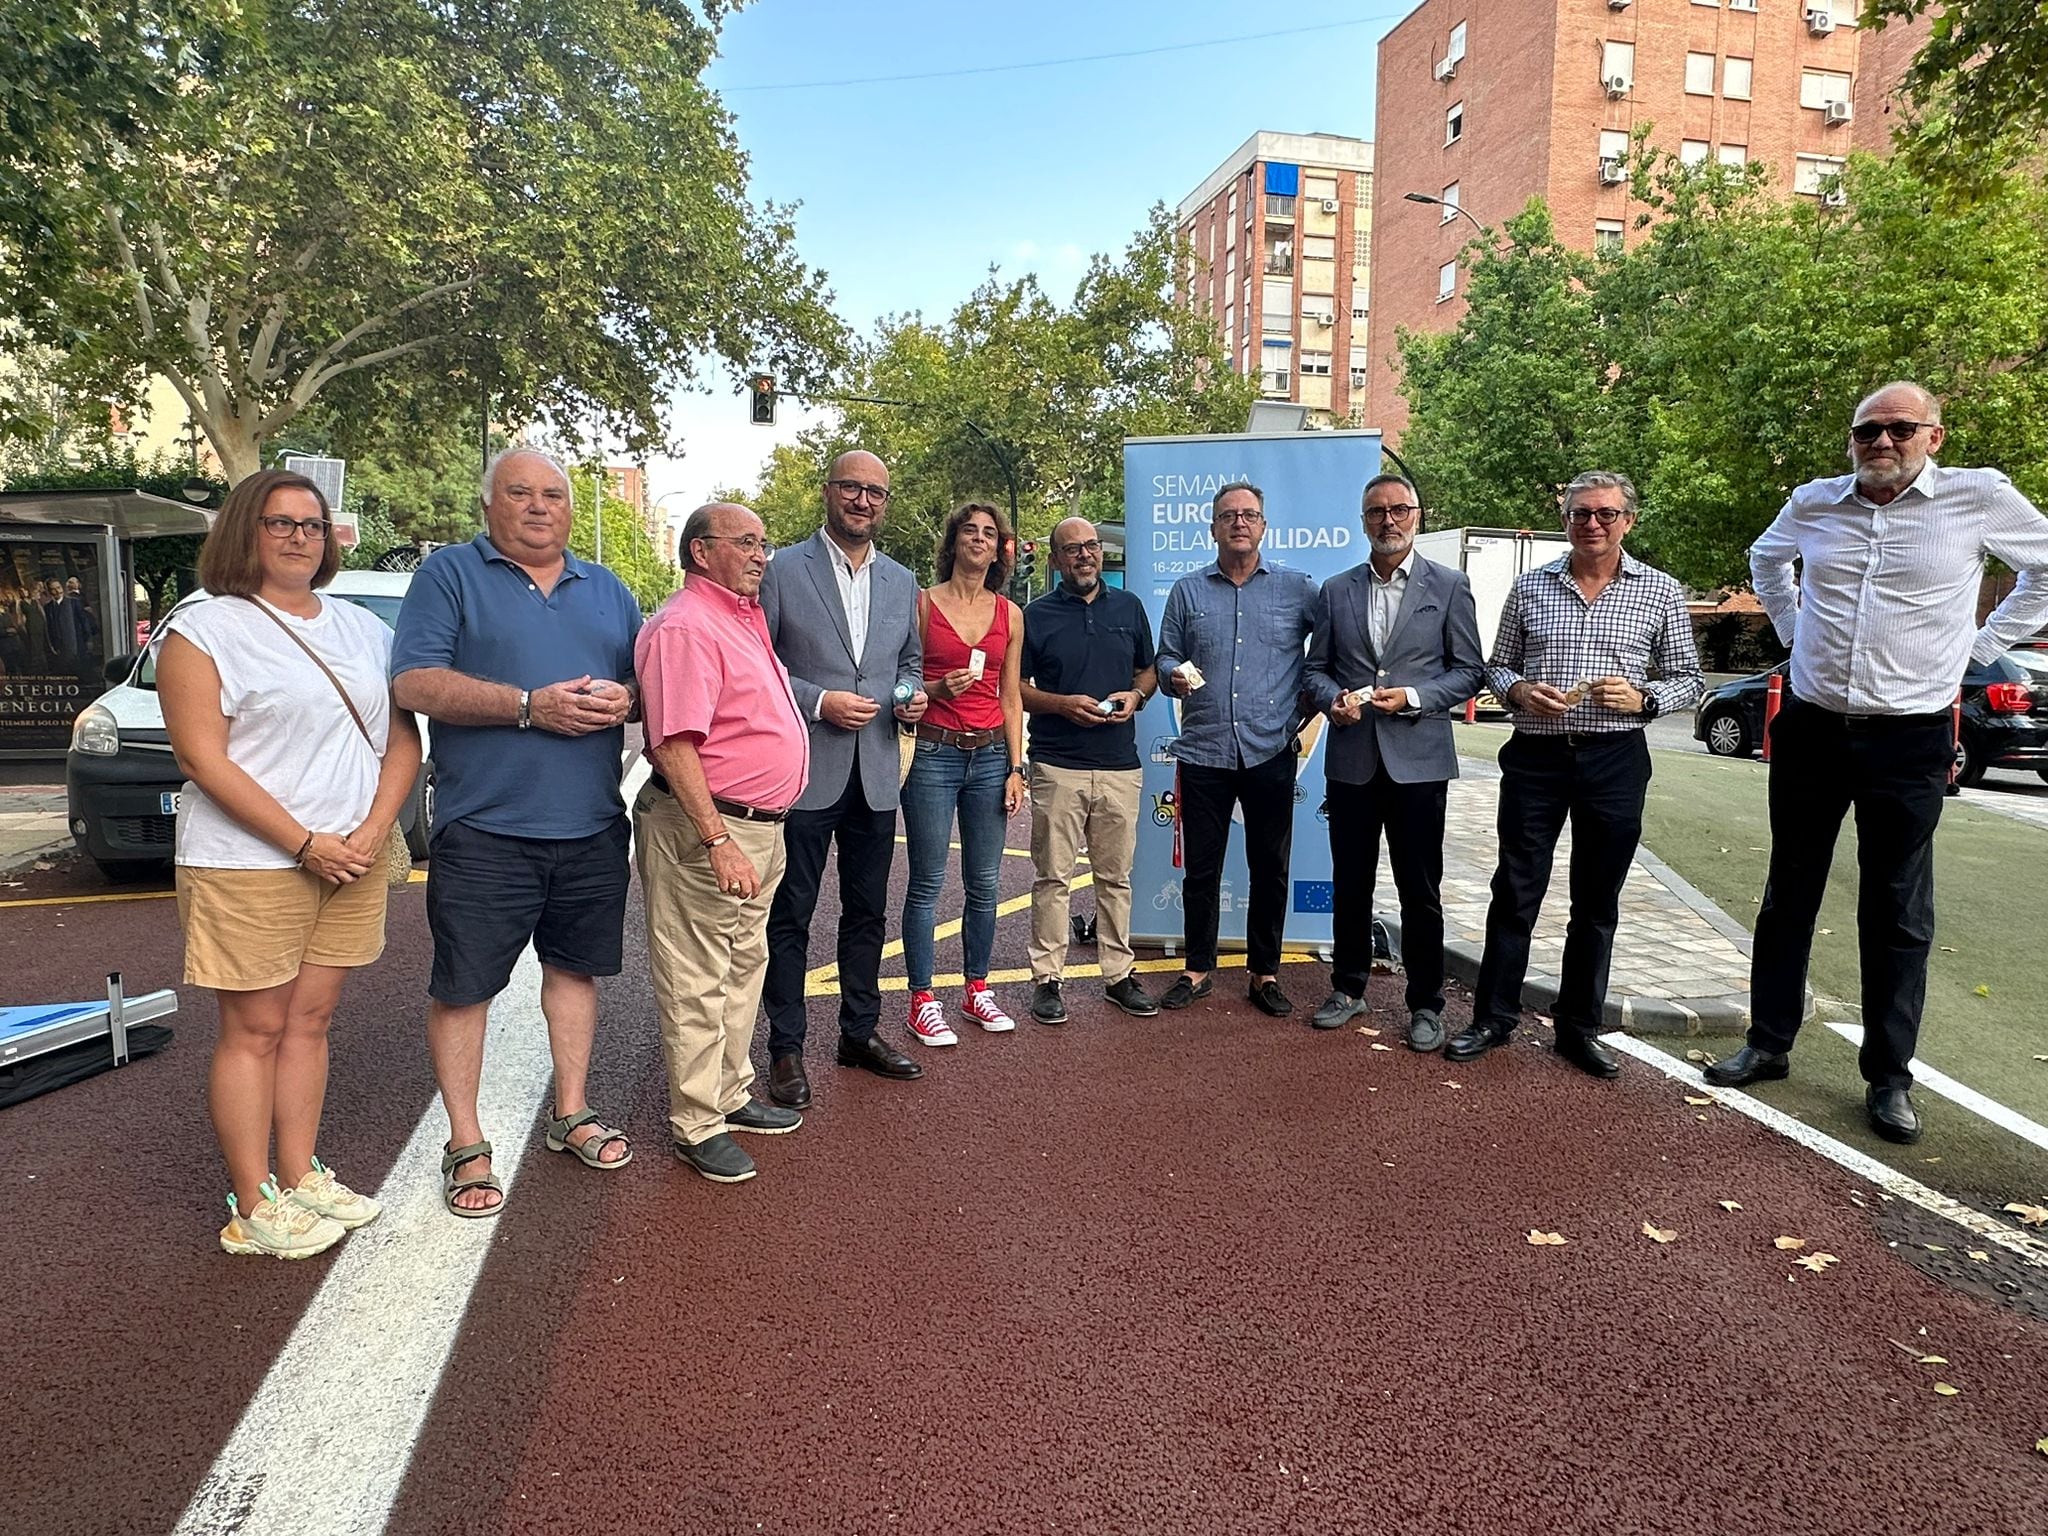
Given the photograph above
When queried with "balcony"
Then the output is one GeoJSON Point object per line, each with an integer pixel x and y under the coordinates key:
{"type": "Point", "coordinates": [1273, 383]}
{"type": "Point", "coordinates": [1279, 263]}
{"type": "Point", "coordinates": [1279, 207]}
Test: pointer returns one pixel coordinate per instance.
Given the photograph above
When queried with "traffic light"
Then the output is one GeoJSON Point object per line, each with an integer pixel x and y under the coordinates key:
{"type": "Point", "coordinates": [1026, 567]}
{"type": "Point", "coordinates": [761, 400]}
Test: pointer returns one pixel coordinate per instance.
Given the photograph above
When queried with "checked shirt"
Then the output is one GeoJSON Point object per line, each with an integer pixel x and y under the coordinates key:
{"type": "Point", "coordinates": [1550, 634]}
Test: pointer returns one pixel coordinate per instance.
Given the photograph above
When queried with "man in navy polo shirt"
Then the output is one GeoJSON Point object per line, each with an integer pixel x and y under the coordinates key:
{"type": "Point", "coordinates": [522, 656]}
{"type": "Point", "coordinates": [1087, 671]}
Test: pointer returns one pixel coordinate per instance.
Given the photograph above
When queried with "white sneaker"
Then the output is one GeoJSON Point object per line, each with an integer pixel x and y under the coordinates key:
{"type": "Point", "coordinates": [325, 1195]}
{"type": "Point", "coordinates": [928, 1021]}
{"type": "Point", "coordinates": [278, 1226]}
{"type": "Point", "coordinates": [980, 1006]}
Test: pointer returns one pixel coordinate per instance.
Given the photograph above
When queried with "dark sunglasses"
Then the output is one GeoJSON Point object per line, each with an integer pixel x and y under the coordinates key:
{"type": "Point", "coordinates": [1898, 431]}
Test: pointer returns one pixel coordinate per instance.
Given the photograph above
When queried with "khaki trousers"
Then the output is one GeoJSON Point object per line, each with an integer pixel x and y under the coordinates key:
{"type": "Point", "coordinates": [1070, 806]}
{"type": "Point", "coordinates": [708, 952]}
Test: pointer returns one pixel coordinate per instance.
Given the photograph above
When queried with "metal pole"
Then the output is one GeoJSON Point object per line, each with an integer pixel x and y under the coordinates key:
{"type": "Point", "coordinates": [597, 491]}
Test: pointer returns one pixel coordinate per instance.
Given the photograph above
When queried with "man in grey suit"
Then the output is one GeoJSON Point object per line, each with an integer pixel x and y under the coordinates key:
{"type": "Point", "coordinates": [1395, 648]}
{"type": "Point", "coordinates": [843, 617]}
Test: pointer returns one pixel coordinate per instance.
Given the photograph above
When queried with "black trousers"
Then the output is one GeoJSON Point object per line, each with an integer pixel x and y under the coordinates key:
{"type": "Point", "coordinates": [1413, 818]}
{"type": "Point", "coordinates": [1598, 782]}
{"type": "Point", "coordinates": [867, 845]}
{"type": "Point", "coordinates": [1893, 771]}
{"type": "Point", "coordinates": [1266, 793]}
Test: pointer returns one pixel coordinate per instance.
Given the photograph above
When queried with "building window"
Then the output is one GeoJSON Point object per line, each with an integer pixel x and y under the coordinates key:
{"type": "Point", "coordinates": [1280, 257]}
{"type": "Point", "coordinates": [1699, 74]}
{"type": "Point", "coordinates": [1819, 87]}
{"type": "Point", "coordinates": [1454, 123]}
{"type": "Point", "coordinates": [1319, 189]}
{"type": "Point", "coordinates": [1274, 368]}
{"type": "Point", "coordinates": [1364, 191]}
{"type": "Point", "coordinates": [1741, 5]}
{"type": "Point", "coordinates": [1233, 208]}
{"type": "Point", "coordinates": [1613, 144]}
{"type": "Point", "coordinates": [1842, 11]}
{"type": "Point", "coordinates": [1735, 79]}
{"type": "Point", "coordinates": [1618, 62]}
{"type": "Point", "coordinates": [1279, 207]}
{"type": "Point", "coordinates": [1693, 151]}
{"type": "Point", "coordinates": [1715, 3]}
{"type": "Point", "coordinates": [1358, 366]}
{"type": "Point", "coordinates": [1316, 364]}
{"type": "Point", "coordinates": [1456, 50]}
{"type": "Point", "coordinates": [1446, 281]}
{"type": "Point", "coordinates": [1736, 155]}
{"type": "Point", "coordinates": [1318, 247]}
{"type": "Point", "coordinates": [1316, 312]}
{"type": "Point", "coordinates": [1815, 174]}
{"type": "Point", "coordinates": [1607, 237]}
{"type": "Point", "coordinates": [1358, 314]}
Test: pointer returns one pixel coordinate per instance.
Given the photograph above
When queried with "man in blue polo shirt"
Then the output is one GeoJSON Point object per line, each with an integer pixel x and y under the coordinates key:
{"type": "Point", "coordinates": [522, 656]}
{"type": "Point", "coordinates": [1087, 670]}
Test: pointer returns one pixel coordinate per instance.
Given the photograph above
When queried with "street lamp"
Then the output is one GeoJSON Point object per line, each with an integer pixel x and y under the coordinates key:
{"type": "Point", "coordinates": [1424, 197]}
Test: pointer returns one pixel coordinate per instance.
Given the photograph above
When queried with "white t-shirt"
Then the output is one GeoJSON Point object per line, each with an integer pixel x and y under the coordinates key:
{"type": "Point", "coordinates": [287, 727]}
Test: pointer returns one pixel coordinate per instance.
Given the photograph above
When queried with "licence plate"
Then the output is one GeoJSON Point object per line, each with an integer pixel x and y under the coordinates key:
{"type": "Point", "coordinates": [173, 801]}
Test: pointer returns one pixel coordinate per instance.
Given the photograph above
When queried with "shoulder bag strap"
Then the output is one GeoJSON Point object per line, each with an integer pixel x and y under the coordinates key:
{"type": "Point", "coordinates": [346, 702]}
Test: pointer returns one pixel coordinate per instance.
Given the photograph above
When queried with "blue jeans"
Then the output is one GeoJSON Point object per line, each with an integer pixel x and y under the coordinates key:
{"type": "Point", "coordinates": [943, 779]}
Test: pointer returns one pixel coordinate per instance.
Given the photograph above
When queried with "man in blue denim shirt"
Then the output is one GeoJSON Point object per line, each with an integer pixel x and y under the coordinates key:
{"type": "Point", "coordinates": [1230, 647]}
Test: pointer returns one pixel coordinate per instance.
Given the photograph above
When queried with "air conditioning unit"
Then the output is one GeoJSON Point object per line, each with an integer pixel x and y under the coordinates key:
{"type": "Point", "coordinates": [1446, 69]}
{"type": "Point", "coordinates": [1820, 23]}
{"type": "Point", "coordinates": [1329, 205]}
{"type": "Point", "coordinates": [1837, 112]}
{"type": "Point", "coordinates": [1611, 172]}
{"type": "Point", "coordinates": [1323, 316]}
{"type": "Point", "coordinates": [1617, 85]}
{"type": "Point", "coordinates": [1835, 197]}
{"type": "Point", "coordinates": [1617, 5]}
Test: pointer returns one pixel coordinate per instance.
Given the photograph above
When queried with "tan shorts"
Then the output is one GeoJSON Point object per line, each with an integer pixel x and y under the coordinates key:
{"type": "Point", "coordinates": [247, 929]}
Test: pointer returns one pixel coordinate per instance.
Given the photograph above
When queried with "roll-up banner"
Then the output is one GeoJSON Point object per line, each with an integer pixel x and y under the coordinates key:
{"type": "Point", "coordinates": [1313, 482]}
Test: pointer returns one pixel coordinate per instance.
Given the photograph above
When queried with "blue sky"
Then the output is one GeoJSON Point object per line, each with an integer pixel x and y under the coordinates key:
{"type": "Point", "coordinates": [910, 190]}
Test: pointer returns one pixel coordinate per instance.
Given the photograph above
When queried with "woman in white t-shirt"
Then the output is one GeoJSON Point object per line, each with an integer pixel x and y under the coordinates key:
{"type": "Point", "coordinates": [292, 792]}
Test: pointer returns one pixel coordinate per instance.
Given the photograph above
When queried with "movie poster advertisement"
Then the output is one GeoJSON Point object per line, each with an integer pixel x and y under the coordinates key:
{"type": "Point", "coordinates": [53, 640]}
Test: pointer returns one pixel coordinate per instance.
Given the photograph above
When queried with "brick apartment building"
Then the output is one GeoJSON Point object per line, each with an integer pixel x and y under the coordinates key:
{"type": "Point", "coordinates": [1486, 105]}
{"type": "Point", "coordinates": [1281, 232]}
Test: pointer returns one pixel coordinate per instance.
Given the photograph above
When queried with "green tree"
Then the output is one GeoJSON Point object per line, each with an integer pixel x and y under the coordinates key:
{"type": "Point", "coordinates": [273, 204]}
{"type": "Point", "coordinates": [1979, 83]}
{"type": "Point", "coordinates": [629, 552]}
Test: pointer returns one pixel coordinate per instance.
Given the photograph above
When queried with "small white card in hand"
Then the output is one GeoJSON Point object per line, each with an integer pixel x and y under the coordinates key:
{"type": "Point", "coordinates": [1359, 697]}
{"type": "Point", "coordinates": [977, 663]}
{"type": "Point", "coordinates": [1192, 674]}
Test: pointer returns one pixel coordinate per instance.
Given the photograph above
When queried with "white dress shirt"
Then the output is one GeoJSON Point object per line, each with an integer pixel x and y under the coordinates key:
{"type": "Point", "coordinates": [1880, 616]}
{"type": "Point", "coordinates": [854, 587]}
{"type": "Point", "coordinates": [1386, 598]}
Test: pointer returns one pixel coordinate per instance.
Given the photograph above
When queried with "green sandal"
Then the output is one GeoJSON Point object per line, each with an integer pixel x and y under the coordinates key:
{"type": "Point", "coordinates": [588, 1151]}
{"type": "Point", "coordinates": [452, 1186]}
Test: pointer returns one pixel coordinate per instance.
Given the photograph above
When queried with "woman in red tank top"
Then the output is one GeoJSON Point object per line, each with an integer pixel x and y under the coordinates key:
{"type": "Point", "coordinates": [969, 760]}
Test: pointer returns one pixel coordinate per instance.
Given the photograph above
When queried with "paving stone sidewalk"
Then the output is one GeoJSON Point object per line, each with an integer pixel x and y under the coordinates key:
{"type": "Point", "coordinates": [1681, 964]}
{"type": "Point", "coordinates": [31, 824]}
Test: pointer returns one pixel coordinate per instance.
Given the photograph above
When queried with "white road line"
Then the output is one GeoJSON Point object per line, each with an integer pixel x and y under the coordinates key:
{"type": "Point", "coordinates": [2028, 1247]}
{"type": "Point", "coordinates": [1960, 1093]}
{"type": "Point", "coordinates": [324, 1445]}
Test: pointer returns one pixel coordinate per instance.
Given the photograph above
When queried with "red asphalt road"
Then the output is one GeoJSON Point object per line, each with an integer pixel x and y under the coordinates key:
{"type": "Point", "coordinates": [1203, 1273]}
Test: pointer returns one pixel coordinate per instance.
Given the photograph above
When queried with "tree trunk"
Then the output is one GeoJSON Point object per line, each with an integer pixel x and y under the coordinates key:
{"type": "Point", "coordinates": [240, 450]}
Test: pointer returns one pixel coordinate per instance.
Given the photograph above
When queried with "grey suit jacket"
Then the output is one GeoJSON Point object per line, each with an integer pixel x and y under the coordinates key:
{"type": "Point", "coordinates": [1433, 648]}
{"type": "Point", "coordinates": [807, 622]}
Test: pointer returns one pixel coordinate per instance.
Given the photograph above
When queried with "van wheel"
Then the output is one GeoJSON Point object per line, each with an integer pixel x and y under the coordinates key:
{"type": "Point", "coordinates": [419, 815]}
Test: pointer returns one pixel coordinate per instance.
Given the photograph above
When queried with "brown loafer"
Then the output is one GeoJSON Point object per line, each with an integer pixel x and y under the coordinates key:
{"type": "Point", "coordinates": [787, 1084]}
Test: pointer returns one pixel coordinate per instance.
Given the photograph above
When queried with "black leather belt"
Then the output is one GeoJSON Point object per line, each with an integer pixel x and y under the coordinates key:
{"type": "Point", "coordinates": [730, 808]}
{"type": "Point", "coordinates": [1872, 722]}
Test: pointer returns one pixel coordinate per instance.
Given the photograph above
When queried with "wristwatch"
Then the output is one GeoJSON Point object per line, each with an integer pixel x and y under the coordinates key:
{"type": "Point", "coordinates": [1021, 769]}
{"type": "Point", "coordinates": [1652, 708]}
{"type": "Point", "coordinates": [525, 709]}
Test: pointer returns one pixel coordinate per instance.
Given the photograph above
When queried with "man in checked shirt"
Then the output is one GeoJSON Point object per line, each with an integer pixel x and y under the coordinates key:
{"type": "Point", "coordinates": [1578, 640]}
{"type": "Point", "coordinates": [1882, 624]}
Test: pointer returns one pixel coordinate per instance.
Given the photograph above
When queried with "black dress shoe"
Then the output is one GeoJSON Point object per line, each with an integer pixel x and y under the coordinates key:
{"type": "Point", "coordinates": [1046, 1004]}
{"type": "Point", "coordinates": [787, 1084]}
{"type": "Point", "coordinates": [878, 1056]}
{"type": "Point", "coordinates": [1476, 1039]}
{"type": "Point", "coordinates": [1267, 997]}
{"type": "Point", "coordinates": [1748, 1065]}
{"type": "Point", "coordinates": [1892, 1114]}
{"type": "Point", "coordinates": [1584, 1051]}
{"type": "Point", "coordinates": [1184, 992]}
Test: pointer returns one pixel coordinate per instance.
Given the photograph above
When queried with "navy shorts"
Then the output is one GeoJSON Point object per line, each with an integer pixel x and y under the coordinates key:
{"type": "Point", "coordinates": [488, 895]}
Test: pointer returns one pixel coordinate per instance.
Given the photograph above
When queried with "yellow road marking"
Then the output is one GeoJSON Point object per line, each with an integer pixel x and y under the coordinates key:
{"type": "Point", "coordinates": [418, 877]}
{"type": "Point", "coordinates": [1008, 853]}
{"type": "Point", "coordinates": [825, 974]}
{"type": "Point", "coordinates": [825, 988]}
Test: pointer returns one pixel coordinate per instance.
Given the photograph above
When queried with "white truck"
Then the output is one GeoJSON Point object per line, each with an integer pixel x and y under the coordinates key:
{"type": "Point", "coordinates": [1492, 558]}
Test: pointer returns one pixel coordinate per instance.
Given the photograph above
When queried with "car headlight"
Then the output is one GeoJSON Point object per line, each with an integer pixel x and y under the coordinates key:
{"type": "Point", "coordinates": [96, 734]}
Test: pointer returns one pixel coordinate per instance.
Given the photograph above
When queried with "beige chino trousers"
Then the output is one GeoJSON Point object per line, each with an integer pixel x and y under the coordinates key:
{"type": "Point", "coordinates": [1070, 806]}
{"type": "Point", "coordinates": [708, 952]}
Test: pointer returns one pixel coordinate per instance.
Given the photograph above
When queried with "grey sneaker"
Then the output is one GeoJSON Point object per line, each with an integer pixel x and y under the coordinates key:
{"type": "Point", "coordinates": [718, 1158]}
{"type": "Point", "coordinates": [763, 1119]}
{"type": "Point", "coordinates": [1425, 1030]}
{"type": "Point", "coordinates": [1338, 1009]}
{"type": "Point", "coordinates": [1046, 1006]}
{"type": "Point", "coordinates": [1131, 997]}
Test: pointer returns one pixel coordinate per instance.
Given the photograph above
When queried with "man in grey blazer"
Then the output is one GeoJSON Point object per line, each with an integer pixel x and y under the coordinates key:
{"type": "Point", "coordinates": [843, 617]}
{"type": "Point", "coordinates": [1395, 648]}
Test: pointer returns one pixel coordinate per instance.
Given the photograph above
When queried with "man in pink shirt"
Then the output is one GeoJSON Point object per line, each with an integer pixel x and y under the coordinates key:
{"type": "Point", "coordinates": [731, 753]}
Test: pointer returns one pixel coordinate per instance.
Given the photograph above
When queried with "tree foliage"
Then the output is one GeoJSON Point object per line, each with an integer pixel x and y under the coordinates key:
{"type": "Point", "coordinates": [1979, 84]}
{"type": "Point", "coordinates": [1053, 389]}
{"type": "Point", "coordinates": [274, 203]}
{"type": "Point", "coordinates": [1718, 360]}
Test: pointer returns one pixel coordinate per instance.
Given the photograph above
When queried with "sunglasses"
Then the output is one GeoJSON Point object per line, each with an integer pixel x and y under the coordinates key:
{"type": "Point", "coordinates": [1897, 431]}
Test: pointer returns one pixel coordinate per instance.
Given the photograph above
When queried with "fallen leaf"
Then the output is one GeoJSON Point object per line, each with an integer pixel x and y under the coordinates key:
{"type": "Point", "coordinates": [1699, 1117]}
{"type": "Point", "coordinates": [1982, 990]}
{"type": "Point", "coordinates": [2041, 1445]}
{"type": "Point", "coordinates": [1658, 1234]}
{"type": "Point", "coordinates": [2041, 1058]}
{"type": "Point", "coordinates": [1729, 1205]}
{"type": "Point", "coordinates": [1691, 1100]}
{"type": "Point", "coordinates": [1378, 1047]}
{"type": "Point", "coordinates": [1934, 1248]}
{"type": "Point", "coordinates": [1827, 930]}
{"type": "Point", "coordinates": [1930, 1159]}
{"type": "Point", "coordinates": [1449, 1084]}
{"type": "Point", "coordinates": [2031, 1215]}
{"type": "Point", "coordinates": [1932, 1360]}
{"type": "Point", "coordinates": [1948, 949]}
{"type": "Point", "coordinates": [1545, 1239]}
{"type": "Point", "coordinates": [1980, 1255]}
{"type": "Point", "coordinates": [1945, 1390]}
{"type": "Point", "coordinates": [1817, 1262]}
{"type": "Point", "coordinates": [1364, 1031]}
{"type": "Point", "coordinates": [1724, 850]}
{"type": "Point", "coordinates": [1787, 1244]}
{"type": "Point", "coordinates": [1695, 1055]}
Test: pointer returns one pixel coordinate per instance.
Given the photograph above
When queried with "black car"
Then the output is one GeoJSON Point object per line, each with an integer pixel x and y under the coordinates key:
{"type": "Point", "coordinates": [2005, 716]}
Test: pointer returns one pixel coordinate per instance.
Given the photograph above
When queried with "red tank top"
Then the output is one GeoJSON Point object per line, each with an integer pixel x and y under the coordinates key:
{"type": "Point", "coordinates": [980, 708]}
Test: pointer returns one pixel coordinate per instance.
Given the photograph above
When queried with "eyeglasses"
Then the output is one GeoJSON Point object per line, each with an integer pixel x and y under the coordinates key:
{"type": "Point", "coordinates": [1086, 547]}
{"type": "Point", "coordinates": [856, 490]}
{"type": "Point", "coordinates": [1867, 432]}
{"type": "Point", "coordinates": [1607, 515]}
{"type": "Point", "coordinates": [314, 528]}
{"type": "Point", "coordinates": [750, 544]}
{"type": "Point", "coordinates": [1253, 516]}
{"type": "Point", "coordinates": [1399, 514]}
